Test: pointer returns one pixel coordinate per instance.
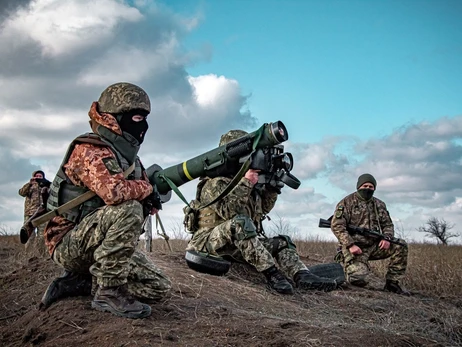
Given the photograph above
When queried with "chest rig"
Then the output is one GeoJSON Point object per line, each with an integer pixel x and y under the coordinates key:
{"type": "Point", "coordinates": [63, 190]}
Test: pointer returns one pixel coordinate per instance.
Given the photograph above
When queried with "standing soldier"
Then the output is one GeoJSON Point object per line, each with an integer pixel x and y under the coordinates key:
{"type": "Point", "coordinates": [232, 226]}
{"type": "Point", "coordinates": [34, 192]}
{"type": "Point", "coordinates": [99, 237]}
{"type": "Point", "coordinates": [361, 209]}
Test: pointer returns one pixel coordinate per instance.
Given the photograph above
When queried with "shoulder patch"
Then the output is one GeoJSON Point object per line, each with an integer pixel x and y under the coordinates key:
{"type": "Point", "coordinates": [112, 166]}
{"type": "Point", "coordinates": [339, 212]}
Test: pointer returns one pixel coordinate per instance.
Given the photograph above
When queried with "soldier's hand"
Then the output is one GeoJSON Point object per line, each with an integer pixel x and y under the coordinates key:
{"type": "Point", "coordinates": [355, 250]}
{"type": "Point", "coordinates": [252, 175]}
{"type": "Point", "coordinates": [154, 211]}
{"type": "Point", "coordinates": [384, 244]}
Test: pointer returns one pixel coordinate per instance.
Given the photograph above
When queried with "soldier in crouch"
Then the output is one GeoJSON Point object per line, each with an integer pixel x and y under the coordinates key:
{"type": "Point", "coordinates": [232, 226]}
{"type": "Point", "coordinates": [98, 238]}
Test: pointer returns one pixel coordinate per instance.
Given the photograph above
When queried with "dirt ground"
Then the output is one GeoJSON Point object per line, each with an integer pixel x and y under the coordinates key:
{"type": "Point", "coordinates": [235, 310]}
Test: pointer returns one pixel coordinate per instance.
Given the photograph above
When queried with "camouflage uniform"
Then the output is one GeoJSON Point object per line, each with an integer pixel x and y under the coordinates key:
{"type": "Point", "coordinates": [371, 214]}
{"type": "Point", "coordinates": [32, 192]}
{"type": "Point", "coordinates": [216, 236]}
{"type": "Point", "coordinates": [102, 235]}
{"type": "Point", "coordinates": [104, 243]}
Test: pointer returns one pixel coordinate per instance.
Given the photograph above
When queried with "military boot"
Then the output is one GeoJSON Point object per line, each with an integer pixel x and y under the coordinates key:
{"type": "Point", "coordinates": [67, 285]}
{"type": "Point", "coordinates": [277, 281]}
{"type": "Point", "coordinates": [120, 302]}
{"type": "Point", "coordinates": [304, 279]}
{"type": "Point", "coordinates": [394, 287]}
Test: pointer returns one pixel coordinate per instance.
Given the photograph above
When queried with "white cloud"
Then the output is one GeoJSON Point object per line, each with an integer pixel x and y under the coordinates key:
{"type": "Point", "coordinates": [64, 27]}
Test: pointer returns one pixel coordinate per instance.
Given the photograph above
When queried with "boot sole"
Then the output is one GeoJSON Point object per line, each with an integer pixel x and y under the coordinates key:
{"type": "Point", "coordinates": [325, 287]}
{"type": "Point", "coordinates": [103, 307]}
{"type": "Point", "coordinates": [283, 292]}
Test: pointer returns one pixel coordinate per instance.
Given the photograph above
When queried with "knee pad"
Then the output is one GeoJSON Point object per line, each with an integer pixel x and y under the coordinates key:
{"type": "Point", "coordinates": [280, 243]}
{"type": "Point", "coordinates": [242, 228]}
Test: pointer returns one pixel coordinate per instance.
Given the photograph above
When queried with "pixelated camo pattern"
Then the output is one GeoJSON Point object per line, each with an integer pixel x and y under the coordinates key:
{"type": "Point", "coordinates": [31, 191]}
{"type": "Point", "coordinates": [353, 210]}
{"type": "Point", "coordinates": [357, 266]}
{"type": "Point", "coordinates": [123, 97]}
{"type": "Point", "coordinates": [231, 136]}
{"type": "Point", "coordinates": [104, 244]}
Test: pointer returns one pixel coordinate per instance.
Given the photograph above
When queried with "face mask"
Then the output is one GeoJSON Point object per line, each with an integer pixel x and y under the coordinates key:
{"type": "Point", "coordinates": [136, 129]}
{"type": "Point", "coordinates": [366, 194]}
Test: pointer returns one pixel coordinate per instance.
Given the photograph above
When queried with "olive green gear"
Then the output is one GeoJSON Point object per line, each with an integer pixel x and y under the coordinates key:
{"type": "Point", "coordinates": [123, 97]}
{"type": "Point", "coordinates": [231, 136]}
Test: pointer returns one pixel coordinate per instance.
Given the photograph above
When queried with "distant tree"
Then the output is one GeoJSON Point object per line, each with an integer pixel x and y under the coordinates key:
{"type": "Point", "coordinates": [438, 229]}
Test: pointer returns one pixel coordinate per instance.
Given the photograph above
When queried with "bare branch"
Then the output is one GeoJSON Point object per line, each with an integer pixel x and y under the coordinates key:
{"type": "Point", "coordinates": [438, 229]}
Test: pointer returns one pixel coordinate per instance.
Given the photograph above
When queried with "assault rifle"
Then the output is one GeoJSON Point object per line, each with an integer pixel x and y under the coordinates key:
{"type": "Point", "coordinates": [352, 229]}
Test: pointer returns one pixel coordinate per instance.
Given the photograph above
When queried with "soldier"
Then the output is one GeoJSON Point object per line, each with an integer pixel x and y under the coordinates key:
{"type": "Point", "coordinates": [363, 210]}
{"type": "Point", "coordinates": [99, 237]}
{"type": "Point", "coordinates": [232, 226]}
{"type": "Point", "coordinates": [34, 191]}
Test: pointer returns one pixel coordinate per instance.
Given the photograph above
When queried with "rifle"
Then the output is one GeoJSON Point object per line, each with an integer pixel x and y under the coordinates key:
{"type": "Point", "coordinates": [352, 229]}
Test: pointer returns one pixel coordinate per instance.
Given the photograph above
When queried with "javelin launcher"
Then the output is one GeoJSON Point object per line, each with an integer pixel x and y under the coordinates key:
{"type": "Point", "coordinates": [260, 150]}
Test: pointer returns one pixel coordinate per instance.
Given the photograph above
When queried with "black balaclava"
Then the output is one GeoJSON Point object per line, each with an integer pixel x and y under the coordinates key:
{"type": "Point", "coordinates": [135, 129]}
{"type": "Point", "coordinates": [366, 194]}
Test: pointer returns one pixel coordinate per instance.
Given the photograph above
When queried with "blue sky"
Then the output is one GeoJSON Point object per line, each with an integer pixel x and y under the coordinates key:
{"type": "Point", "coordinates": [336, 67]}
{"type": "Point", "coordinates": [362, 86]}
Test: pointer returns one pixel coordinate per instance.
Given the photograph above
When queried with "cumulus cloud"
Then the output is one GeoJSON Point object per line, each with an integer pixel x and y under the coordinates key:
{"type": "Point", "coordinates": [56, 59]}
{"type": "Point", "coordinates": [417, 168]}
{"type": "Point", "coordinates": [8, 7]}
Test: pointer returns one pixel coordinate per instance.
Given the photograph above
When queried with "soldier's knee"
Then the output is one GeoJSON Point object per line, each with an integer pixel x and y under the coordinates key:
{"type": "Point", "coordinates": [357, 273]}
{"type": "Point", "coordinates": [130, 208]}
{"type": "Point", "coordinates": [242, 228]}
{"type": "Point", "coordinates": [359, 281]}
{"type": "Point", "coordinates": [402, 248]}
{"type": "Point", "coordinates": [281, 242]}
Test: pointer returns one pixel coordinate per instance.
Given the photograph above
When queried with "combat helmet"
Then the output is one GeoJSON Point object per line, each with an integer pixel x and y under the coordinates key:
{"type": "Point", "coordinates": [123, 97]}
{"type": "Point", "coordinates": [231, 136]}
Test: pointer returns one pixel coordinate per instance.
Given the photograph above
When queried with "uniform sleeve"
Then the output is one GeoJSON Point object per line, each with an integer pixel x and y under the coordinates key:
{"type": "Point", "coordinates": [385, 220]}
{"type": "Point", "coordinates": [269, 197]}
{"type": "Point", "coordinates": [96, 168]}
{"type": "Point", "coordinates": [233, 203]}
{"type": "Point", "coordinates": [339, 223]}
{"type": "Point", "coordinates": [24, 191]}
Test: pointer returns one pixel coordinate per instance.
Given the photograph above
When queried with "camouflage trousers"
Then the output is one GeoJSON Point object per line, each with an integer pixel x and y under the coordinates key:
{"type": "Point", "coordinates": [104, 243]}
{"type": "Point", "coordinates": [36, 241]}
{"type": "Point", "coordinates": [258, 252]}
{"type": "Point", "coordinates": [357, 266]}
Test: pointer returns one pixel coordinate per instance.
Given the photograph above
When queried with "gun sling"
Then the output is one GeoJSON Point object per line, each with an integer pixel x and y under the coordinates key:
{"type": "Point", "coordinates": [71, 204]}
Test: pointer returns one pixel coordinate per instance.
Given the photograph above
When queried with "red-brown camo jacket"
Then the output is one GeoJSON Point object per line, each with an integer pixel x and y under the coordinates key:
{"type": "Point", "coordinates": [85, 167]}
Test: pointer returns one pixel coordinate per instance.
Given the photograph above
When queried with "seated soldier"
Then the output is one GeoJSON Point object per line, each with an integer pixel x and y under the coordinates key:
{"type": "Point", "coordinates": [232, 226]}
{"type": "Point", "coordinates": [361, 209]}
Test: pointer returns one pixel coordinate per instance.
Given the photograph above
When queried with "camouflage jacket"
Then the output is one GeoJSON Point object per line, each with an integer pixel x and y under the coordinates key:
{"type": "Point", "coordinates": [353, 210]}
{"type": "Point", "coordinates": [246, 199]}
{"type": "Point", "coordinates": [32, 192]}
{"type": "Point", "coordinates": [88, 166]}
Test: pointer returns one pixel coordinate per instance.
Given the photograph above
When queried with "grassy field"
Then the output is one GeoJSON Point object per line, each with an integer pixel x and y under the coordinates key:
{"type": "Point", "coordinates": [434, 270]}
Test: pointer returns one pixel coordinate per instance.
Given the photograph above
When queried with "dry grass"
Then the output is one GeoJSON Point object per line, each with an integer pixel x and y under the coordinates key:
{"type": "Point", "coordinates": [432, 269]}
{"type": "Point", "coordinates": [210, 310]}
